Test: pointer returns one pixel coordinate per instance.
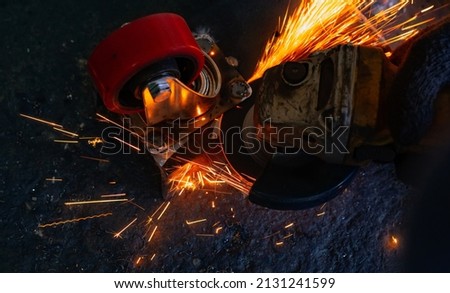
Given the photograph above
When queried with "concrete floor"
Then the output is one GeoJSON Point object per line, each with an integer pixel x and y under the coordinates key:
{"type": "Point", "coordinates": [43, 71]}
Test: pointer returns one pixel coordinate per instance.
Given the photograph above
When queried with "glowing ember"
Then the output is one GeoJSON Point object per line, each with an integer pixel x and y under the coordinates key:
{"type": "Point", "coordinates": [319, 25]}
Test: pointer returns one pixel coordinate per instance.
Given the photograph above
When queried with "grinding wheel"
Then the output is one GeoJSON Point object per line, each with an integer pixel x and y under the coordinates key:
{"type": "Point", "coordinates": [283, 181]}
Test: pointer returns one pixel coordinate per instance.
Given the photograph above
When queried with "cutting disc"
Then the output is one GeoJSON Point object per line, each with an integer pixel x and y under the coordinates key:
{"type": "Point", "coordinates": [283, 181]}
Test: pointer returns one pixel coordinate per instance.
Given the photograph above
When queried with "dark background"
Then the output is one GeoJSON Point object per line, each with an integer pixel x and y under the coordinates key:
{"type": "Point", "coordinates": [43, 53]}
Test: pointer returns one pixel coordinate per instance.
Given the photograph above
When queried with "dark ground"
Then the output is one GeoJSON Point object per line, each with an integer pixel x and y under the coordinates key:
{"type": "Point", "coordinates": [43, 52]}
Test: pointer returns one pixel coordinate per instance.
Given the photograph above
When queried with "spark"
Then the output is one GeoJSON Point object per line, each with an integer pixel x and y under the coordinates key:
{"type": "Point", "coordinates": [118, 234]}
{"type": "Point", "coordinates": [273, 234]}
{"type": "Point", "coordinates": [218, 229]}
{"type": "Point", "coordinates": [279, 243]}
{"type": "Point", "coordinates": [288, 236]}
{"type": "Point", "coordinates": [131, 201]}
{"type": "Point", "coordinates": [164, 210]}
{"type": "Point", "coordinates": [407, 28]}
{"type": "Point", "coordinates": [53, 179]}
{"type": "Point", "coordinates": [95, 159]}
{"type": "Point", "coordinates": [112, 182]}
{"type": "Point", "coordinates": [289, 225]}
{"type": "Point", "coordinates": [70, 203]}
{"type": "Point", "coordinates": [69, 133]}
{"type": "Point", "coordinates": [127, 143]}
{"type": "Point", "coordinates": [320, 214]}
{"type": "Point", "coordinates": [427, 9]}
{"type": "Point", "coordinates": [215, 191]}
{"type": "Point", "coordinates": [317, 25]}
{"type": "Point", "coordinates": [41, 120]}
{"type": "Point", "coordinates": [153, 256]}
{"type": "Point", "coordinates": [138, 260]}
{"type": "Point", "coordinates": [154, 213]}
{"type": "Point", "coordinates": [65, 141]}
{"type": "Point", "coordinates": [113, 195]}
{"type": "Point", "coordinates": [204, 235]}
{"type": "Point", "coordinates": [195, 222]}
{"type": "Point", "coordinates": [74, 220]}
{"type": "Point", "coordinates": [119, 125]}
{"type": "Point", "coordinates": [151, 235]}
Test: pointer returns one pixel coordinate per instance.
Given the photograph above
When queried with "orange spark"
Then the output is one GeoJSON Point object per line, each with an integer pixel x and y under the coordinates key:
{"type": "Point", "coordinates": [163, 211]}
{"type": "Point", "coordinates": [65, 141]}
{"type": "Point", "coordinates": [427, 9]}
{"type": "Point", "coordinates": [288, 236]}
{"type": "Point", "coordinates": [131, 201]}
{"type": "Point", "coordinates": [119, 125]}
{"type": "Point", "coordinates": [289, 225]}
{"type": "Point", "coordinates": [74, 220]}
{"type": "Point", "coordinates": [195, 222]}
{"type": "Point", "coordinates": [53, 179]}
{"type": "Point", "coordinates": [41, 120]}
{"type": "Point", "coordinates": [118, 234]}
{"type": "Point", "coordinates": [71, 203]}
{"type": "Point", "coordinates": [113, 195]}
{"type": "Point", "coordinates": [69, 133]}
{"type": "Point", "coordinates": [95, 159]}
{"type": "Point", "coordinates": [127, 143]}
{"type": "Point", "coordinates": [319, 25]}
{"type": "Point", "coordinates": [151, 235]}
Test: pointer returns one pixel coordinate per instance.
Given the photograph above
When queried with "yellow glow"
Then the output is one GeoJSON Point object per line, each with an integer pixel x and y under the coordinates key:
{"type": "Point", "coordinates": [394, 240]}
